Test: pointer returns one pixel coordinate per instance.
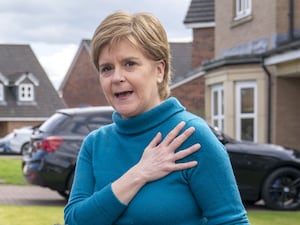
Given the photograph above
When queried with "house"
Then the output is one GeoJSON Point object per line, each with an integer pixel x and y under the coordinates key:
{"type": "Point", "coordinates": [253, 81]}
{"type": "Point", "coordinates": [81, 87]}
{"type": "Point", "coordinates": [27, 97]}
{"type": "Point", "coordinates": [190, 89]}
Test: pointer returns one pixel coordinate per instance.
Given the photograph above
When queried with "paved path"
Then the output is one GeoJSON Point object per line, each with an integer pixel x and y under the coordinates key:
{"type": "Point", "coordinates": [29, 195]}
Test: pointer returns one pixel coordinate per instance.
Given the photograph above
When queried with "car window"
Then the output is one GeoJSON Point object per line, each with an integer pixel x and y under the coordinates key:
{"type": "Point", "coordinates": [84, 124]}
{"type": "Point", "coordinates": [97, 121]}
{"type": "Point", "coordinates": [54, 123]}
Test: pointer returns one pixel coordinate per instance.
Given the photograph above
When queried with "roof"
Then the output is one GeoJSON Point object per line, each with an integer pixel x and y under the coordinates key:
{"type": "Point", "coordinates": [200, 11]}
{"type": "Point", "coordinates": [181, 60]}
{"type": "Point", "coordinates": [85, 43]}
{"type": "Point", "coordinates": [17, 63]}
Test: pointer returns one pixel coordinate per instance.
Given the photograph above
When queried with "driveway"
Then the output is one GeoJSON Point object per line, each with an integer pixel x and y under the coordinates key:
{"type": "Point", "coordinates": [29, 195]}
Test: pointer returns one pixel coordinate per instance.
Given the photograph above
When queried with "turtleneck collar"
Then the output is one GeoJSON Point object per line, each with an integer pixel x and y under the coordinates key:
{"type": "Point", "coordinates": [149, 119]}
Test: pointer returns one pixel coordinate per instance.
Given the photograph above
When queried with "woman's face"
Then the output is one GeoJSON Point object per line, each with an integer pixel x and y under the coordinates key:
{"type": "Point", "coordinates": [129, 79]}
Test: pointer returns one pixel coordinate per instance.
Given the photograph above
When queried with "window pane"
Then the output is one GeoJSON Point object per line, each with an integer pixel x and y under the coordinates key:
{"type": "Point", "coordinates": [247, 129]}
{"type": "Point", "coordinates": [222, 102]}
{"type": "Point", "coordinates": [26, 92]}
{"type": "Point", "coordinates": [1, 92]}
{"type": "Point", "coordinates": [215, 123]}
{"type": "Point", "coordinates": [247, 100]}
{"type": "Point", "coordinates": [216, 103]}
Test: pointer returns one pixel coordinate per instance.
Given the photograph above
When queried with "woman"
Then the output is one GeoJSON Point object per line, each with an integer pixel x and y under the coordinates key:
{"type": "Point", "coordinates": [145, 168]}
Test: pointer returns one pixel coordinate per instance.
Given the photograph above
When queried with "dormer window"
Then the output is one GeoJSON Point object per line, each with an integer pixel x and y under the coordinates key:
{"type": "Point", "coordinates": [242, 8]}
{"type": "Point", "coordinates": [26, 92]}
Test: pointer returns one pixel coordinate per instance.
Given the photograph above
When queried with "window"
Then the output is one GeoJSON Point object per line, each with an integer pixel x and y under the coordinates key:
{"type": "Point", "coordinates": [26, 92]}
{"type": "Point", "coordinates": [246, 111]}
{"type": "Point", "coordinates": [217, 106]}
{"type": "Point", "coordinates": [242, 8]}
{"type": "Point", "coordinates": [1, 92]}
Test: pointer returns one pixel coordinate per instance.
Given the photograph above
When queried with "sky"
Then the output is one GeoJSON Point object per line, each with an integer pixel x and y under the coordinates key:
{"type": "Point", "coordinates": [55, 28]}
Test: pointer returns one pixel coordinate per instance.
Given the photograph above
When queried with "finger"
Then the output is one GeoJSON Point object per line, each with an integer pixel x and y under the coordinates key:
{"type": "Point", "coordinates": [155, 141]}
{"type": "Point", "coordinates": [172, 134]}
{"type": "Point", "coordinates": [181, 138]}
{"type": "Point", "coordinates": [186, 165]}
{"type": "Point", "coordinates": [186, 152]}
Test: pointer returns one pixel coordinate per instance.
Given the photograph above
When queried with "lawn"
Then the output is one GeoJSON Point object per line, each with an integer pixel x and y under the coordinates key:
{"type": "Point", "coordinates": [266, 217]}
{"type": "Point", "coordinates": [11, 171]}
{"type": "Point", "coordinates": [31, 215]}
{"type": "Point", "coordinates": [44, 215]}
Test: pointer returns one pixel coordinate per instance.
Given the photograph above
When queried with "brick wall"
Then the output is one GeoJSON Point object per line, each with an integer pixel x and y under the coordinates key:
{"type": "Point", "coordinates": [287, 108]}
{"type": "Point", "coordinates": [9, 126]}
{"type": "Point", "coordinates": [83, 86]}
{"type": "Point", "coordinates": [191, 95]}
{"type": "Point", "coordinates": [203, 45]}
{"type": "Point", "coordinates": [231, 33]}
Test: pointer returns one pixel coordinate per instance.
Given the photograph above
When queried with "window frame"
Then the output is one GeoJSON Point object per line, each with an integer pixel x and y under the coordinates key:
{"type": "Point", "coordinates": [2, 97]}
{"type": "Point", "coordinates": [217, 117]}
{"type": "Point", "coordinates": [26, 95]}
{"type": "Point", "coordinates": [239, 115]}
{"type": "Point", "coordinates": [243, 8]}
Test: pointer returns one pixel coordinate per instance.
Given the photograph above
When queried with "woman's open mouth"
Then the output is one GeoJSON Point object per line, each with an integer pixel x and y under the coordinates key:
{"type": "Point", "coordinates": [123, 94]}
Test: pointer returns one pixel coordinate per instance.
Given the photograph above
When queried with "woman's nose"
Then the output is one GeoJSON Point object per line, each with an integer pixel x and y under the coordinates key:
{"type": "Point", "coordinates": [118, 75]}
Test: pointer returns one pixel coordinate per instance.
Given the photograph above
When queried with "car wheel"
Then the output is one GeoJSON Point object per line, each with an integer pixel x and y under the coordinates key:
{"type": "Point", "coordinates": [281, 189]}
{"type": "Point", "coordinates": [25, 148]}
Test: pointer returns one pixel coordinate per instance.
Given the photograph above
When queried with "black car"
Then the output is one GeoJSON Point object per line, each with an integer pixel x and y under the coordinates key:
{"type": "Point", "coordinates": [55, 145]}
{"type": "Point", "coordinates": [263, 171]}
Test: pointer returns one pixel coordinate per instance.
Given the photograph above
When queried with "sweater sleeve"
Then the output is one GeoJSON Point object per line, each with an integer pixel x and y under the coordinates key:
{"type": "Point", "coordinates": [86, 206]}
{"type": "Point", "coordinates": [213, 183]}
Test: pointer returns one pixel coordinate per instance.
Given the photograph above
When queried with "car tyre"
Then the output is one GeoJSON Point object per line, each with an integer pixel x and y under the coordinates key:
{"type": "Point", "coordinates": [25, 148]}
{"type": "Point", "coordinates": [281, 189]}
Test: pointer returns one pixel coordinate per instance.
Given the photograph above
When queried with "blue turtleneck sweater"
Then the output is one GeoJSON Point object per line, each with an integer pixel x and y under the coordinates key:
{"type": "Point", "coordinates": [205, 194]}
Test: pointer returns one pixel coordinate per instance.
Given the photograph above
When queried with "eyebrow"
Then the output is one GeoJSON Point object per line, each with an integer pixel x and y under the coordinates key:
{"type": "Point", "coordinates": [125, 59]}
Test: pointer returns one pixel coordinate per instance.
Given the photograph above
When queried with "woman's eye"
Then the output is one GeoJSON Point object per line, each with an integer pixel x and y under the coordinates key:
{"type": "Point", "coordinates": [130, 63]}
{"type": "Point", "coordinates": [105, 69]}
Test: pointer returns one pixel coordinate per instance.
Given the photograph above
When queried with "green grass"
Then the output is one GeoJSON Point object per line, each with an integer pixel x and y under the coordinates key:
{"type": "Point", "coordinates": [31, 215]}
{"type": "Point", "coordinates": [45, 215]}
{"type": "Point", "coordinates": [11, 171]}
{"type": "Point", "coordinates": [263, 217]}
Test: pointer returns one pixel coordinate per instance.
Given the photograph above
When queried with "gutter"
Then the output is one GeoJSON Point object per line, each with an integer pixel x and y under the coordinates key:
{"type": "Point", "coordinates": [291, 21]}
{"type": "Point", "coordinates": [269, 105]}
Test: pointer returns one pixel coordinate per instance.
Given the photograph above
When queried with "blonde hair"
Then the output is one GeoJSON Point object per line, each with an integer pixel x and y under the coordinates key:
{"type": "Point", "coordinates": [144, 31]}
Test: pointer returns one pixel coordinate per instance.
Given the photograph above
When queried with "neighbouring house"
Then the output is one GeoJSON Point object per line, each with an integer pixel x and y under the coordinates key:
{"type": "Point", "coordinates": [253, 81]}
{"type": "Point", "coordinates": [190, 89]}
{"type": "Point", "coordinates": [81, 87]}
{"type": "Point", "coordinates": [27, 97]}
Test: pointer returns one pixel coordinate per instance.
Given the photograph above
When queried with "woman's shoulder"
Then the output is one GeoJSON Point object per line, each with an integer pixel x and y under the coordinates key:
{"type": "Point", "coordinates": [100, 132]}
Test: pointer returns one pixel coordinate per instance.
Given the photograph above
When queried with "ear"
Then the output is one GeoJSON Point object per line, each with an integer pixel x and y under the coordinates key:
{"type": "Point", "coordinates": [160, 71]}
